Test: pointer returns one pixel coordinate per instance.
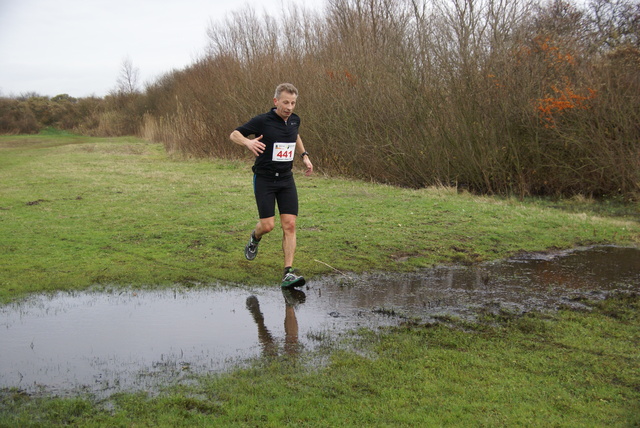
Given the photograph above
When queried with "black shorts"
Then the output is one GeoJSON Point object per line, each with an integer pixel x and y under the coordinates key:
{"type": "Point", "coordinates": [268, 190]}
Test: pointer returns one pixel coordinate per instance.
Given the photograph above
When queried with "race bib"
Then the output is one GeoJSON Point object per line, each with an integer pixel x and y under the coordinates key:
{"type": "Point", "coordinates": [283, 152]}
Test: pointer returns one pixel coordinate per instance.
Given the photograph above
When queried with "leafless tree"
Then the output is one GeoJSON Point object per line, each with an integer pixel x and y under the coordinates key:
{"type": "Point", "coordinates": [128, 79]}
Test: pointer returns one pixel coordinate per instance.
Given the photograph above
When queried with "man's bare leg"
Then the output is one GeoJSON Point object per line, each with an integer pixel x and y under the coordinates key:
{"type": "Point", "coordinates": [264, 226]}
{"type": "Point", "coordinates": [288, 238]}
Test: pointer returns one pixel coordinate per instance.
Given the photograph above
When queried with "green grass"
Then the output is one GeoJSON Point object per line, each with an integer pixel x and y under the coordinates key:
{"type": "Point", "coordinates": [77, 212]}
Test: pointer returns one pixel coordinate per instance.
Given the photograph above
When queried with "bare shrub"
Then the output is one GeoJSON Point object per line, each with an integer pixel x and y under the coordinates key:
{"type": "Point", "coordinates": [16, 117]}
{"type": "Point", "coordinates": [511, 97]}
{"type": "Point", "coordinates": [88, 112]}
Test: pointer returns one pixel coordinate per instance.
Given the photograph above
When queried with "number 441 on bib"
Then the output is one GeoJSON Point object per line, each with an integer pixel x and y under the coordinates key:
{"type": "Point", "coordinates": [283, 152]}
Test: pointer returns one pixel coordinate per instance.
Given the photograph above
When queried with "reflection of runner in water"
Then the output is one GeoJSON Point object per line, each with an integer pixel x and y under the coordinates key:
{"type": "Point", "coordinates": [292, 299]}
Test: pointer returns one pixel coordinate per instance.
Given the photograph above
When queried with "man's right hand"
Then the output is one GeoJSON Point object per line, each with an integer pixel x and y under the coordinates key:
{"type": "Point", "coordinates": [255, 145]}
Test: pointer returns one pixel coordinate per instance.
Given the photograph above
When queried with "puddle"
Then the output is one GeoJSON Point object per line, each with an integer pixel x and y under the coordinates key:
{"type": "Point", "coordinates": [107, 342]}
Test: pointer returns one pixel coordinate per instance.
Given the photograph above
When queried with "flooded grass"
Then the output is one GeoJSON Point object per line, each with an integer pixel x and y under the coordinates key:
{"type": "Point", "coordinates": [107, 342]}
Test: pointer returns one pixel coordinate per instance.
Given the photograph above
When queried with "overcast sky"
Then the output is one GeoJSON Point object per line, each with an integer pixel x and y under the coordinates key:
{"type": "Point", "coordinates": [77, 47]}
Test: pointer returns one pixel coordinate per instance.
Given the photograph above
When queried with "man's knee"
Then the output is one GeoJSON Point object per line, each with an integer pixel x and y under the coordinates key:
{"type": "Point", "coordinates": [288, 223]}
{"type": "Point", "coordinates": [267, 224]}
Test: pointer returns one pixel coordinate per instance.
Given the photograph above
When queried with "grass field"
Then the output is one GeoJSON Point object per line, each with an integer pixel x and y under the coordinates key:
{"type": "Point", "coordinates": [79, 212]}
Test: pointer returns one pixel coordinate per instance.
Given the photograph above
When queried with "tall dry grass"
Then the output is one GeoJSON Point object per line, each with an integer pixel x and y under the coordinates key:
{"type": "Point", "coordinates": [510, 97]}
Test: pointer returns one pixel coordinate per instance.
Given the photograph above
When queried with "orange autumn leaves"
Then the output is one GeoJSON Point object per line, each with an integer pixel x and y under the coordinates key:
{"type": "Point", "coordinates": [554, 66]}
{"type": "Point", "coordinates": [344, 76]}
{"type": "Point", "coordinates": [562, 97]}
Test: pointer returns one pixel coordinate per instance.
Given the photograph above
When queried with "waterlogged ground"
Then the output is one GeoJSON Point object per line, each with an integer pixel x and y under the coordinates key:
{"type": "Point", "coordinates": [107, 342]}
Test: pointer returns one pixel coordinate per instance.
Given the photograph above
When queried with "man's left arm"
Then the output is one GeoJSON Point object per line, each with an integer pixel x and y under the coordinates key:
{"type": "Point", "coordinates": [305, 156]}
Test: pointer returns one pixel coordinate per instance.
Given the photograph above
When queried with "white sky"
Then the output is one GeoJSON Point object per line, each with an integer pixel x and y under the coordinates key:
{"type": "Point", "coordinates": [77, 47]}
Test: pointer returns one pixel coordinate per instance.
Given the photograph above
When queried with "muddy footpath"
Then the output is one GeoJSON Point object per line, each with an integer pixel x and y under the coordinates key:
{"type": "Point", "coordinates": [126, 340]}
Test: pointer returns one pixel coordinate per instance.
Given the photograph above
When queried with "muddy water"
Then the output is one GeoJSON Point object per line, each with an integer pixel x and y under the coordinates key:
{"type": "Point", "coordinates": [108, 342]}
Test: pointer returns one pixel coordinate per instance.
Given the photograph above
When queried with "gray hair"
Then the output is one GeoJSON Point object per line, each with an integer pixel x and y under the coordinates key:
{"type": "Point", "coordinates": [285, 87]}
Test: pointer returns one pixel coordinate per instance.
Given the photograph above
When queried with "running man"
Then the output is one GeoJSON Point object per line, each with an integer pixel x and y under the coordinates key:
{"type": "Point", "coordinates": [275, 143]}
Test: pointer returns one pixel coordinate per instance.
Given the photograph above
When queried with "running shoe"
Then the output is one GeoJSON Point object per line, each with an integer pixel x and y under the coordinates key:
{"type": "Point", "coordinates": [290, 280]}
{"type": "Point", "coordinates": [251, 249]}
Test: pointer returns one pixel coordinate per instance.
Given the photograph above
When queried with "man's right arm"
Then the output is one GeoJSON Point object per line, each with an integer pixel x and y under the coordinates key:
{"type": "Point", "coordinates": [255, 145]}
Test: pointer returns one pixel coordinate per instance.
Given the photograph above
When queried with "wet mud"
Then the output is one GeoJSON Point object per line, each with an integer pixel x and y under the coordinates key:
{"type": "Point", "coordinates": [107, 342]}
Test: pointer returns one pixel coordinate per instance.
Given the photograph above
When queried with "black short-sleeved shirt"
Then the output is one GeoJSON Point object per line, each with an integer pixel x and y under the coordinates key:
{"type": "Point", "coordinates": [274, 130]}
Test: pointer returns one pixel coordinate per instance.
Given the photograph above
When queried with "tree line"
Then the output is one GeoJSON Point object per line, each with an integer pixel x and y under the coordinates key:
{"type": "Point", "coordinates": [498, 96]}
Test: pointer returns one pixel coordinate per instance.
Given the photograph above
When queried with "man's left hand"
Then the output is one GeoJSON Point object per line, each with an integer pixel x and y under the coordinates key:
{"type": "Point", "coordinates": [309, 166]}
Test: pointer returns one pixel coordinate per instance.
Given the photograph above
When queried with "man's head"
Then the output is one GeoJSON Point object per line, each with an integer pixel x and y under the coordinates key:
{"type": "Point", "coordinates": [285, 87]}
{"type": "Point", "coordinates": [285, 100]}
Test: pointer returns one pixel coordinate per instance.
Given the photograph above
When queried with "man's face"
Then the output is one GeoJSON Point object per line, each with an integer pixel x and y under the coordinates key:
{"type": "Point", "coordinates": [285, 104]}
